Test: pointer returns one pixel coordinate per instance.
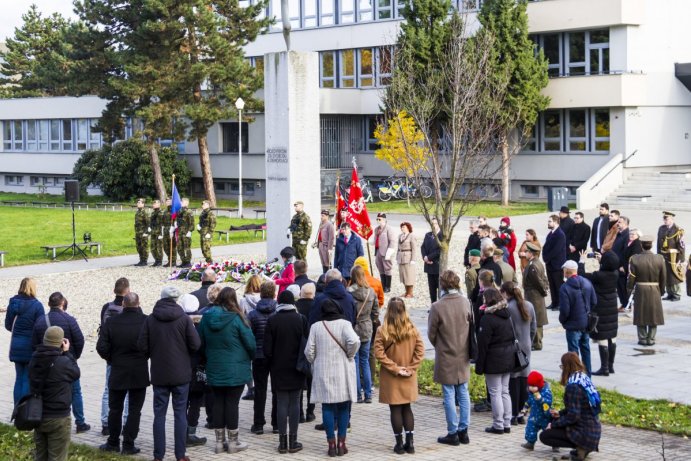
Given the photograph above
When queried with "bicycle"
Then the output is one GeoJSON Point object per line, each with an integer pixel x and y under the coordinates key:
{"type": "Point", "coordinates": [366, 188]}
{"type": "Point", "coordinates": [391, 188]}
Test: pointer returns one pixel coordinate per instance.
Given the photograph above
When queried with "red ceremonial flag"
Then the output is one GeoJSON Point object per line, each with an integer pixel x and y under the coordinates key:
{"type": "Point", "coordinates": [357, 216]}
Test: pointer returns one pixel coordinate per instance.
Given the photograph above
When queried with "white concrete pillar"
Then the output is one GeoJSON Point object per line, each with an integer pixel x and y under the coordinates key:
{"type": "Point", "coordinates": [291, 107]}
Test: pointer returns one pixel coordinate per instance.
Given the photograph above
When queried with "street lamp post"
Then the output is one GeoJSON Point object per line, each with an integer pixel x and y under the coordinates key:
{"type": "Point", "coordinates": [239, 105]}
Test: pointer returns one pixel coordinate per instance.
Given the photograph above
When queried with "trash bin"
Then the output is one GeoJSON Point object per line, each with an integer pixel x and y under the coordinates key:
{"type": "Point", "coordinates": [557, 198]}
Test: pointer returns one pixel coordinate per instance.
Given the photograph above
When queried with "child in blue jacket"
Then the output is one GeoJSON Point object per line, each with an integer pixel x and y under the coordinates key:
{"type": "Point", "coordinates": [540, 403]}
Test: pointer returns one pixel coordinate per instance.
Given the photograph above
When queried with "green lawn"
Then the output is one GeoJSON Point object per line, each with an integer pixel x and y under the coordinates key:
{"type": "Point", "coordinates": [488, 209]}
{"type": "Point", "coordinates": [25, 230]}
{"type": "Point", "coordinates": [618, 409]}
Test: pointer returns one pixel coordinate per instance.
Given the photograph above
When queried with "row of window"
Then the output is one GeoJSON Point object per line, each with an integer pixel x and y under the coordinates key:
{"type": "Point", "coordinates": [60, 135]}
{"type": "Point", "coordinates": [535, 191]}
{"type": "Point", "coordinates": [572, 131]}
{"type": "Point", "coordinates": [356, 68]}
{"type": "Point", "coordinates": [575, 53]}
{"type": "Point", "coordinates": [49, 181]}
{"type": "Point", "coordinates": [228, 187]}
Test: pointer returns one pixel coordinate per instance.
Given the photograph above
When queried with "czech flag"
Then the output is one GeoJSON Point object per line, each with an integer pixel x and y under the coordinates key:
{"type": "Point", "coordinates": [176, 203]}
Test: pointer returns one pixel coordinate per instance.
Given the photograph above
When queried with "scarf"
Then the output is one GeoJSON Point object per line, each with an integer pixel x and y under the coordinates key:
{"type": "Point", "coordinates": [584, 381]}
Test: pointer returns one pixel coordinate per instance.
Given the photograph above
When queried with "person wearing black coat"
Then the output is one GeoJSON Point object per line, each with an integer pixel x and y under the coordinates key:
{"type": "Point", "coordinates": [554, 256]}
{"type": "Point", "coordinates": [566, 224]}
{"type": "Point", "coordinates": [632, 248]}
{"type": "Point", "coordinates": [599, 229]}
{"type": "Point", "coordinates": [336, 291]}
{"type": "Point", "coordinates": [619, 247]}
{"type": "Point", "coordinates": [301, 277]}
{"type": "Point", "coordinates": [208, 279]}
{"type": "Point", "coordinates": [496, 358]}
{"type": "Point", "coordinates": [283, 339]}
{"type": "Point", "coordinates": [430, 257]}
{"type": "Point", "coordinates": [604, 282]}
{"type": "Point", "coordinates": [474, 242]}
{"type": "Point", "coordinates": [129, 373]}
{"type": "Point", "coordinates": [580, 234]}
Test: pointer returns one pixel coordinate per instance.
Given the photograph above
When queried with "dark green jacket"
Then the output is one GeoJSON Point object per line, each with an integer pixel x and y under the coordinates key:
{"type": "Point", "coordinates": [157, 222]}
{"type": "Point", "coordinates": [141, 222]}
{"type": "Point", "coordinates": [207, 222]}
{"type": "Point", "coordinates": [228, 345]}
{"type": "Point", "coordinates": [185, 221]}
{"type": "Point", "coordinates": [301, 226]}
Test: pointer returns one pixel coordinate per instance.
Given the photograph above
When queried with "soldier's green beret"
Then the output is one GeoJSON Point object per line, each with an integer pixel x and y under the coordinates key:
{"type": "Point", "coordinates": [474, 253]}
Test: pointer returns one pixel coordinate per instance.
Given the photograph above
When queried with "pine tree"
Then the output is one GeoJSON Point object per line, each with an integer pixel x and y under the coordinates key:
{"type": "Point", "coordinates": [513, 54]}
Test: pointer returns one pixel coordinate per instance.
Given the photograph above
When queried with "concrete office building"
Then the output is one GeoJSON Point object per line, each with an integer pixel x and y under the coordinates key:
{"type": "Point", "coordinates": [612, 85]}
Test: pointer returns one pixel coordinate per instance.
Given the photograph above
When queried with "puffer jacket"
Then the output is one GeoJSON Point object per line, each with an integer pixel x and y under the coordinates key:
{"type": "Point", "coordinates": [57, 388]}
{"type": "Point", "coordinates": [22, 313]}
{"type": "Point", "coordinates": [258, 318]}
{"type": "Point", "coordinates": [496, 353]}
{"type": "Point", "coordinates": [367, 307]}
{"type": "Point", "coordinates": [335, 291]}
{"type": "Point", "coordinates": [604, 282]}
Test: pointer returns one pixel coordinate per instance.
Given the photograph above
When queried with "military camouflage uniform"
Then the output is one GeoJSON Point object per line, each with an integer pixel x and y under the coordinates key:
{"type": "Point", "coordinates": [167, 239]}
{"type": "Point", "coordinates": [156, 236]}
{"type": "Point", "coordinates": [207, 224]}
{"type": "Point", "coordinates": [185, 225]}
{"type": "Point", "coordinates": [301, 229]}
{"type": "Point", "coordinates": [141, 234]}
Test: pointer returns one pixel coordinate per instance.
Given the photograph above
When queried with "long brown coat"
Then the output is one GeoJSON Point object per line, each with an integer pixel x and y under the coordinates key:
{"type": "Point", "coordinates": [647, 279]}
{"type": "Point", "coordinates": [393, 388]}
{"type": "Point", "coordinates": [448, 327]}
{"type": "Point", "coordinates": [386, 239]}
{"type": "Point", "coordinates": [405, 256]}
{"type": "Point", "coordinates": [535, 289]}
{"type": "Point", "coordinates": [523, 249]}
{"type": "Point", "coordinates": [326, 239]}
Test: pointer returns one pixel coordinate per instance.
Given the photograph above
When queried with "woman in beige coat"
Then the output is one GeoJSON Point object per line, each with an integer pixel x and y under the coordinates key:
{"type": "Point", "coordinates": [404, 258]}
{"type": "Point", "coordinates": [399, 348]}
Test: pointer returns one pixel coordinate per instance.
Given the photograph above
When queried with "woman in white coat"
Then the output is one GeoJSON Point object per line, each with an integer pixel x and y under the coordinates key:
{"type": "Point", "coordinates": [331, 346]}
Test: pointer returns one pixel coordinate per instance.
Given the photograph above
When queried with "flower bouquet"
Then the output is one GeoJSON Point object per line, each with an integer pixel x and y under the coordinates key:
{"type": "Point", "coordinates": [229, 270]}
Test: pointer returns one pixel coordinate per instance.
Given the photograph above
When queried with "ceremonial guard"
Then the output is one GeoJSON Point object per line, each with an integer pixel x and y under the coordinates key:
{"type": "Point", "coordinates": [535, 286]}
{"type": "Point", "coordinates": [169, 242]}
{"type": "Point", "coordinates": [326, 238]}
{"type": "Point", "coordinates": [670, 244]}
{"type": "Point", "coordinates": [141, 233]}
{"type": "Point", "coordinates": [384, 249]}
{"type": "Point", "coordinates": [300, 230]}
{"type": "Point", "coordinates": [206, 226]}
{"type": "Point", "coordinates": [647, 276]}
{"type": "Point", "coordinates": [185, 227]}
{"type": "Point", "coordinates": [157, 230]}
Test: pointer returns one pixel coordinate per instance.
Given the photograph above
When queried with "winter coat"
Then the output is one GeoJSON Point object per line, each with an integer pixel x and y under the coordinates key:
{"type": "Point", "coordinates": [301, 280]}
{"type": "Point", "coordinates": [473, 244]}
{"type": "Point", "coordinates": [22, 313]}
{"type": "Point", "coordinates": [579, 419]}
{"type": "Point", "coordinates": [576, 298]}
{"type": "Point", "coordinates": [345, 255]}
{"type": "Point", "coordinates": [57, 387]}
{"type": "Point", "coordinates": [395, 389]}
{"type": "Point", "coordinates": [510, 240]}
{"type": "Point", "coordinates": [374, 283]}
{"type": "Point", "coordinates": [333, 370]}
{"type": "Point", "coordinates": [603, 221]}
{"type": "Point", "coordinates": [117, 345]}
{"type": "Point", "coordinates": [201, 294]}
{"type": "Point", "coordinates": [633, 248]}
{"type": "Point", "coordinates": [335, 291]}
{"type": "Point", "coordinates": [405, 259]}
{"type": "Point", "coordinates": [282, 340]}
{"type": "Point", "coordinates": [367, 309]}
{"type": "Point", "coordinates": [604, 282]}
{"type": "Point", "coordinates": [228, 346]}
{"type": "Point", "coordinates": [525, 331]}
{"type": "Point", "coordinates": [523, 249]}
{"type": "Point", "coordinates": [486, 265]}
{"type": "Point", "coordinates": [304, 306]}
{"type": "Point", "coordinates": [249, 302]}
{"type": "Point", "coordinates": [535, 288]}
{"type": "Point", "coordinates": [579, 239]}
{"type": "Point", "coordinates": [257, 318]}
{"type": "Point", "coordinates": [647, 281]}
{"type": "Point", "coordinates": [448, 327]}
{"type": "Point", "coordinates": [566, 225]}
{"type": "Point", "coordinates": [540, 415]}
{"type": "Point", "coordinates": [430, 248]}
{"type": "Point", "coordinates": [620, 244]}
{"type": "Point", "coordinates": [508, 274]}
{"type": "Point", "coordinates": [168, 337]}
{"type": "Point", "coordinates": [287, 277]}
{"type": "Point", "coordinates": [495, 339]}
{"type": "Point", "coordinates": [60, 318]}
{"type": "Point", "coordinates": [554, 250]}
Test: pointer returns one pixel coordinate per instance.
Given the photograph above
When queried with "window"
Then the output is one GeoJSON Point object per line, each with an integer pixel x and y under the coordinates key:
{"type": "Point", "coordinates": [7, 135]}
{"type": "Point", "coordinates": [577, 135]}
{"type": "Point", "coordinates": [347, 68]}
{"type": "Point", "coordinates": [530, 191]}
{"type": "Point", "coordinates": [552, 46]}
{"type": "Point", "coordinates": [385, 9]}
{"type": "Point", "coordinates": [13, 135]}
{"type": "Point", "coordinates": [94, 135]}
{"type": "Point", "coordinates": [31, 139]}
{"type": "Point", "coordinates": [327, 12]}
{"type": "Point", "coordinates": [248, 186]}
{"type": "Point", "coordinates": [327, 69]}
{"type": "Point", "coordinates": [576, 53]}
{"type": "Point", "coordinates": [356, 68]}
{"type": "Point", "coordinates": [13, 180]}
{"type": "Point", "coordinates": [258, 63]}
{"type": "Point", "coordinates": [469, 5]}
{"type": "Point", "coordinates": [43, 137]}
{"type": "Point", "coordinates": [220, 187]}
{"type": "Point", "coordinates": [310, 13]}
{"type": "Point", "coordinates": [551, 127]}
{"type": "Point", "coordinates": [598, 51]}
{"type": "Point", "coordinates": [384, 64]}
{"type": "Point", "coordinates": [59, 181]}
{"type": "Point", "coordinates": [600, 123]}
{"type": "Point", "coordinates": [67, 134]}
{"type": "Point", "coordinates": [230, 137]}
{"type": "Point", "coordinates": [364, 10]}
{"type": "Point", "coordinates": [55, 135]}
{"type": "Point", "coordinates": [577, 131]}
{"type": "Point", "coordinates": [371, 122]}
{"type": "Point", "coordinates": [366, 68]}
{"type": "Point", "coordinates": [346, 11]}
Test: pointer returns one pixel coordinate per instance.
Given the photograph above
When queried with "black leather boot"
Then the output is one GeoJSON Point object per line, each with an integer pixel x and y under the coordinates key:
{"type": "Point", "coordinates": [604, 362]}
{"type": "Point", "coordinates": [293, 445]}
{"type": "Point", "coordinates": [398, 448]}
{"type": "Point", "coordinates": [409, 447]}
{"type": "Point", "coordinates": [283, 443]}
{"type": "Point", "coordinates": [612, 353]}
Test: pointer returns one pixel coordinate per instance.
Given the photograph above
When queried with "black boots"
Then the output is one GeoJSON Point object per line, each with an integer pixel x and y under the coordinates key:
{"type": "Point", "coordinates": [283, 443]}
{"type": "Point", "coordinates": [293, 445]}
{"type": "Point", "coordinates": [604, 361]}
{"type": "Point", "coordinates": [386, 282]}
{"type": "Point", "coordinates": [398, 448]}
{"type": "Point", "coordinates": [409, 447]}
{"type": "Point", "coordinates": [612, 353]}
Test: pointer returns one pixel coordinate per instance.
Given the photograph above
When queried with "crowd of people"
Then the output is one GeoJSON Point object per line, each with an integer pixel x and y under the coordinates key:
{"type": "Point", "coordinates": [326, 337]}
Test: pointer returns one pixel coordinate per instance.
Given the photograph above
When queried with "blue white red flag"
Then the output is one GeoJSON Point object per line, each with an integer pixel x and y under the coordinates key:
{"type": "Point", "coordinates": [176, 203]}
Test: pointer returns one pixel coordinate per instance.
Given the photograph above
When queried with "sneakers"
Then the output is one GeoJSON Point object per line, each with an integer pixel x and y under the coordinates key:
{"type": "Point", "coordinates": [83, 428]}
{"type": "Point", "coordinates": [449, 439]}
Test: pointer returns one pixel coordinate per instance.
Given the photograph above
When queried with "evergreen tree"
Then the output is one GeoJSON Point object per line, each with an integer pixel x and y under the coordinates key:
{"type": "Point", "coordinates": [513, 54]}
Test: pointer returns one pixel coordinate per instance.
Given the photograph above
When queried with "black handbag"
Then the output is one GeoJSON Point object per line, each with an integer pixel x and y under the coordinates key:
{"type": "Point", "coordinates": [521, 358]}
{"type": "Point", "coordinates": [303, 365]}
{"type": "Point", "coordinates": [472, 339]}
{"type": "Point", "coordinates": [28, 412]}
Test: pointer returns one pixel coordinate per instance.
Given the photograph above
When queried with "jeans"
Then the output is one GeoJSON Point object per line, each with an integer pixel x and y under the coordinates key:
{"type": "Point", "coordinates": [338, 413]}
{"type": "Point", "coordinates": [161, 398]}
{"type": "Point", "coordinates": [362, 366]}
{"type": "Point", "coordinates": [21, 382]}
{"type": "Point", "coordinates": [288, 411]}
{"type": "Point", "coordinates": [77, 404]}
{"type": "Point", "coordinates": [453, 393]}
{"type": "Point", "coordinates": [260, 373]}
{"type": "Point", "coordinates": [498, 389]}
{"type": "Point", "coordinates": [579, 341]}
{"type": "Point", "coordinates": [120, 399]}
{"type": "Point", "coordinates": [104, 402]}
{"type": "Point", "coordinates": [52, 439]}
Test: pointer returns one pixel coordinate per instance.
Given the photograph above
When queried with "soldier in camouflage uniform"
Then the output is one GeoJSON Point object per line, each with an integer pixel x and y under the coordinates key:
{"type": "Point", "coordinates": [169, 235]}
{"type": "Point", "coordinates": [141, 233]}
{"type": "Point", "coordinates": [157, 233]}
{"type": "Point", "coordinates": [206, 226]}
{"type": "Point", "coordinates": [300, 229]}
{"type": "Point", "coordinates": [185, 228]}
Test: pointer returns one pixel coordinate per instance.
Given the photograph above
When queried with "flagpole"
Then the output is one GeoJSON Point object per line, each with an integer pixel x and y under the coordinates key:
{"type": "Point", "coordinates": [369, 255]}
{"type": "Point", "coordinates": [171, 255]}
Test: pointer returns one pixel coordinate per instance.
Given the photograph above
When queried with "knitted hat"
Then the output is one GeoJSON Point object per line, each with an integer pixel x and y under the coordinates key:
{"type": "Point", "coordinates": [53, 337]}
{"type": "Point", "coordinates": [536, 379]}
{"type": "Point", "coordinates": [170, 292]}
{"type": "Point", "coordinates": [506, 220]}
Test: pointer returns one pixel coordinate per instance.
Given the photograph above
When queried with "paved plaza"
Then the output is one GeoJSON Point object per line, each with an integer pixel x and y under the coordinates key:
{"type": "Point", "coordinates": [659, 372]}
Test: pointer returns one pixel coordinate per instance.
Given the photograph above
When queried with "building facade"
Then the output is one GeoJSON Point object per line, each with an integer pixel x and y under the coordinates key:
{"type": "Point", "coordinates": [612, 86]}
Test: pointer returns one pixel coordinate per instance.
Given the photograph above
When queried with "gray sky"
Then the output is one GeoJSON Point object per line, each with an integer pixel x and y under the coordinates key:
{"type": "Point", "coordinates": [12, 11]}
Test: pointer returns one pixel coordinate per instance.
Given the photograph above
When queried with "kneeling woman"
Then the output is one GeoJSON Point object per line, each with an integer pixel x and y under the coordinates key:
{"type": "Point", "coordinates": [577, 425]}
{"type": "Point", "coordinates": [399, 348]}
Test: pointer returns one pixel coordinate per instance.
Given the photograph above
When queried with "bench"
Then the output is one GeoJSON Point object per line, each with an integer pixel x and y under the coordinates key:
{"type": "Point", "coordinates": [258, 212]}
{"type": "Point", "coordinates": [13, 203]}
{"type": "Point", "coordinates": [230, 211]}
{"type": "Point", "coordinates": [83, 245]}
{"type": "Point", "coordinates": [247, 228]}
{"type": "Point", "coordinates": [2, 258]}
